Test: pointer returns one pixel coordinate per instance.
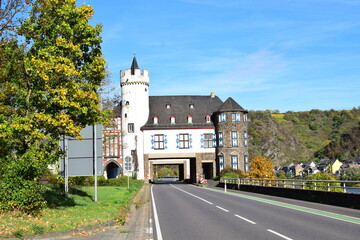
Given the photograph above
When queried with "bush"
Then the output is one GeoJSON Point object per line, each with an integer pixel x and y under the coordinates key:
{"type": "Point", "coordinates": [230, 175]}
{"type": "Point", "coordinates": [323, 185]}
{"type": "Point", "coordinates": [22, 195]}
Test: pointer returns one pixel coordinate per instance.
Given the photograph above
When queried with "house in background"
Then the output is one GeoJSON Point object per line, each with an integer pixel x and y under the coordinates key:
{"type": "Point", "coordinates": [329, 166]}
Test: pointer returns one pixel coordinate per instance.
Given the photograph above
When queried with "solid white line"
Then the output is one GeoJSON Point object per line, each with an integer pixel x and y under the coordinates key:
{"type": "Point", "coordinates": [225, 210]}
{"type": "Point", "coordinates": [245, 219]}
{"type": "Point", "coordinates": [156, 218]}
{"type": "Point", "coordinates": [192, 195]}
{"type": "Point", "coordinates": [280, 235]}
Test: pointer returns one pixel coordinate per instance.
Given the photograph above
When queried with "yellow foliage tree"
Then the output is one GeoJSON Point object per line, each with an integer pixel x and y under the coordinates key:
{"type": "Point", "coordinates": [261, 167]}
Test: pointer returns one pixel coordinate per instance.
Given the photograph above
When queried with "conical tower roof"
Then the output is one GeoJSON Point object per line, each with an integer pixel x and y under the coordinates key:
{"type": "Point", "coordinates": [230, 105]}
{"type": "Point", "coordinates": [134, 65]}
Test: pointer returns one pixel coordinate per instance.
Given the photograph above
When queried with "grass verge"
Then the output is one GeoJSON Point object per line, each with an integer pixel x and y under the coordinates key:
{"type": "Point", "coordinates": [79, 210]}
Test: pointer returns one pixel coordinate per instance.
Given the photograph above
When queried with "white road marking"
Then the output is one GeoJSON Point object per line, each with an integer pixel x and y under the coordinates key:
{"type": "Point", "coordinates": [156, 218]}
{"type": "Point", "coordinates": [245, 219]}
{"type": "Point", "coordinates": [192, 195]}
{"type": "Point", "coordinates": [278, 234]}
{"type": "Point", "coordinates": [225, 210]}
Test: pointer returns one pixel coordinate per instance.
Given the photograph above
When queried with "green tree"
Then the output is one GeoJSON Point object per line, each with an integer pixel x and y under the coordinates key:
{"type": "Point", "coordinates": [350, 174]}
{"type": "Point", "coordinates": [49, 88]}
{"type": "Point", "coordinates": [261, 167]}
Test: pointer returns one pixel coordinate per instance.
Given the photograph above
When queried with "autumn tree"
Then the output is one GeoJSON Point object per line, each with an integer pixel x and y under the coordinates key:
{"type": "Point", "coordinates": [261, 167]}
{"type": "Point", "coordinates": [50, 84]}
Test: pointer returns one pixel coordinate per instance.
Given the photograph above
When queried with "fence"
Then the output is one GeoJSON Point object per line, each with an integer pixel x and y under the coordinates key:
{"type": "Point", "coordinates": [321, 185]}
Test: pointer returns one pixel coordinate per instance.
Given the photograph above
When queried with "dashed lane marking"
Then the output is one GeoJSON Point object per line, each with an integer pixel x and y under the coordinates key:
{"type": "Point", "coordinates": [245, 219]}
{"type": "Point", "coordinates": [279, 234]}
{"type": "Point", "coordinates": [192, 195]}
{"type": "Point", "coordinates": [225, 210]}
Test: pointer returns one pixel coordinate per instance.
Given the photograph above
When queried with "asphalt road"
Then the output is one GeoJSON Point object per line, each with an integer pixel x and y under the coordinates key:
{"type": "Point", "coordinates": [184, 211]}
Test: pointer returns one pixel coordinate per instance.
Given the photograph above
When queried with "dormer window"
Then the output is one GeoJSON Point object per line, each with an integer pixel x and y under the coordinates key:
{"type": "Point", "coordinates": [189, 119]}
{"type": "Point", "coordinates": [172, 119]}
{"type": "Point", "coordinates": [207, 118]}
{"type": "Point", "coordinates": [168, 106]}
{"type": "Point", "coordinates": [156, 120]}
{"type": "Point", "coordinates": [191, 106]}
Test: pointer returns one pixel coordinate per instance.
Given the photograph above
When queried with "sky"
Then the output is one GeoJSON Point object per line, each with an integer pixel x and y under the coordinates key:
{"type": "Point", "coordinates": [286, 55]}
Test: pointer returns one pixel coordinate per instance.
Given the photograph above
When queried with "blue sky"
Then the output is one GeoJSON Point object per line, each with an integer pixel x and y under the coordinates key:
{"type": "Point", "coordinates": [289, 55]}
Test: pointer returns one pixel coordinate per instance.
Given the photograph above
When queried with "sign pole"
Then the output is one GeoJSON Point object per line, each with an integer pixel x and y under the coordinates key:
{"type": "Point", "coordinates": [95, 165]}
{"type": "Point", "coordinates": [66, 167]}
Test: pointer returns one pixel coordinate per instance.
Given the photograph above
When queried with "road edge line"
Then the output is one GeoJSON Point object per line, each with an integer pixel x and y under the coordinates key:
{"type": "Point", "coordinates": [156, 218]}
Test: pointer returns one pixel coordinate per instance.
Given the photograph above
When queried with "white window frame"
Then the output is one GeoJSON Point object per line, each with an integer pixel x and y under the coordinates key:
{"type": "Point", "coordinates": [184, 141]}
{"type": "Point", "coordinates": [234, 139]}
{"type": "Point", "coordinates": [234, 162]}
{"type": "Point", "coordinates": [221, 162]}
{"type": "Point", "coordinates": [221, 136]}
{"type": "Point", "coordinates": [159, 141]}
{"type": "Point", "coordinates": [208, 140]}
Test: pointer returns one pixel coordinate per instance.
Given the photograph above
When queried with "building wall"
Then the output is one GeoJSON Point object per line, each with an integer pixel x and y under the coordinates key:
{"type": "Point", "coordinates": [226, 149]}
{"type": "Point", "coordinates": [171, 144]}
{"type": "Point", "coordinates": [135, 112]}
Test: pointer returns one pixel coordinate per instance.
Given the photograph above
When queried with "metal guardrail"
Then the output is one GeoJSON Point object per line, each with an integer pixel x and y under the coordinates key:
{"type": "Point", "coordinates": [320, 185]}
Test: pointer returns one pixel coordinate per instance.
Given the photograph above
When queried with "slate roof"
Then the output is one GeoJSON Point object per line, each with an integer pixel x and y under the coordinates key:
{"type": "Point", "coordinates": [230, 106]}
{"type": "Point", "coordinates": [134, 65]}
{"type": "Point", "coordinates": [180, 108]}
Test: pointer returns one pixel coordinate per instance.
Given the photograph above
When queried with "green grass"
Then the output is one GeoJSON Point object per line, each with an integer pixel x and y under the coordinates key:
{"type": "Point", "coordinates": [78, 210]}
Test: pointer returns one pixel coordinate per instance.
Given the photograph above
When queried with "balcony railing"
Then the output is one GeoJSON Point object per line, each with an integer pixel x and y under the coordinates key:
{"type": "Point", "coordinates": [320, 185]}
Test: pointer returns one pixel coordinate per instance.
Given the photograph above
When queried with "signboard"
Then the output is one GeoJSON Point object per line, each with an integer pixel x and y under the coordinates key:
{"type": "Point", "coordinates": [80, 153]}
{"type": "Point", "coordinates": [128, 163]}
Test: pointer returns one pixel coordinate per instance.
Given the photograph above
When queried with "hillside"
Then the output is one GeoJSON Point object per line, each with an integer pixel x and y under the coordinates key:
{"type": "Point", "coordinates": [303, 136]}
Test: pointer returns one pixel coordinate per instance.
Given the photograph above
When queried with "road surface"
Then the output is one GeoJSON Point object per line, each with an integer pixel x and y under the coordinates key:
{"type": "Point", "coordinates": [183, 211]}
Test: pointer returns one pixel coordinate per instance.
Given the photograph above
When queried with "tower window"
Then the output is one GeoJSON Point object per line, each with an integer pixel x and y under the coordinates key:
{"type": "Point", "coordinates": [222, 117]}
{"type": "Point", "coordinates": [246, 162]}
{"type": "Point", "coordinates": [131, 127]}
{"type": "Point", "coordinates": [125, 115]}
{"type": "Point", "coordinates": [245, 139]}
{"type": "Point", "coordinates": [235, 117]}
{"type": "Point", "coordinates": [221, 162]}
{"type": "Point", "coordinates": [220, 139]}
{"type": "Point", "coordinates": [127, 103]}
{"type": "Point", "coordinates": [234, 161]}
{"type": "Point", "coordinates": [234, 138]}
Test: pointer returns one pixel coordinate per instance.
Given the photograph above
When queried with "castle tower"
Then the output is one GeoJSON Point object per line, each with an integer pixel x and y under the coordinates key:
{"type": "Point", "coordinates": [231, 122]}
{"type": "Point", "coordinates": [134, 113]}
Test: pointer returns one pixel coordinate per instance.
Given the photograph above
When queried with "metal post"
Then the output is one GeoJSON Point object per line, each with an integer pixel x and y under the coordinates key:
{"type": "Point", "coordinates": [328, 187]}
{"type": "Point", "coordinates": [238, 183]}
{"type": "Point", "coordinates": [95, 165]}
{"type": "Point", "coordinates": [344, 186]}
{"type": "Point", "coordinates": [225, 186]}
{"type": "Point", "coordinates": [128, 179]}
{"type": "Point", "coordinates": [66, 167]}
